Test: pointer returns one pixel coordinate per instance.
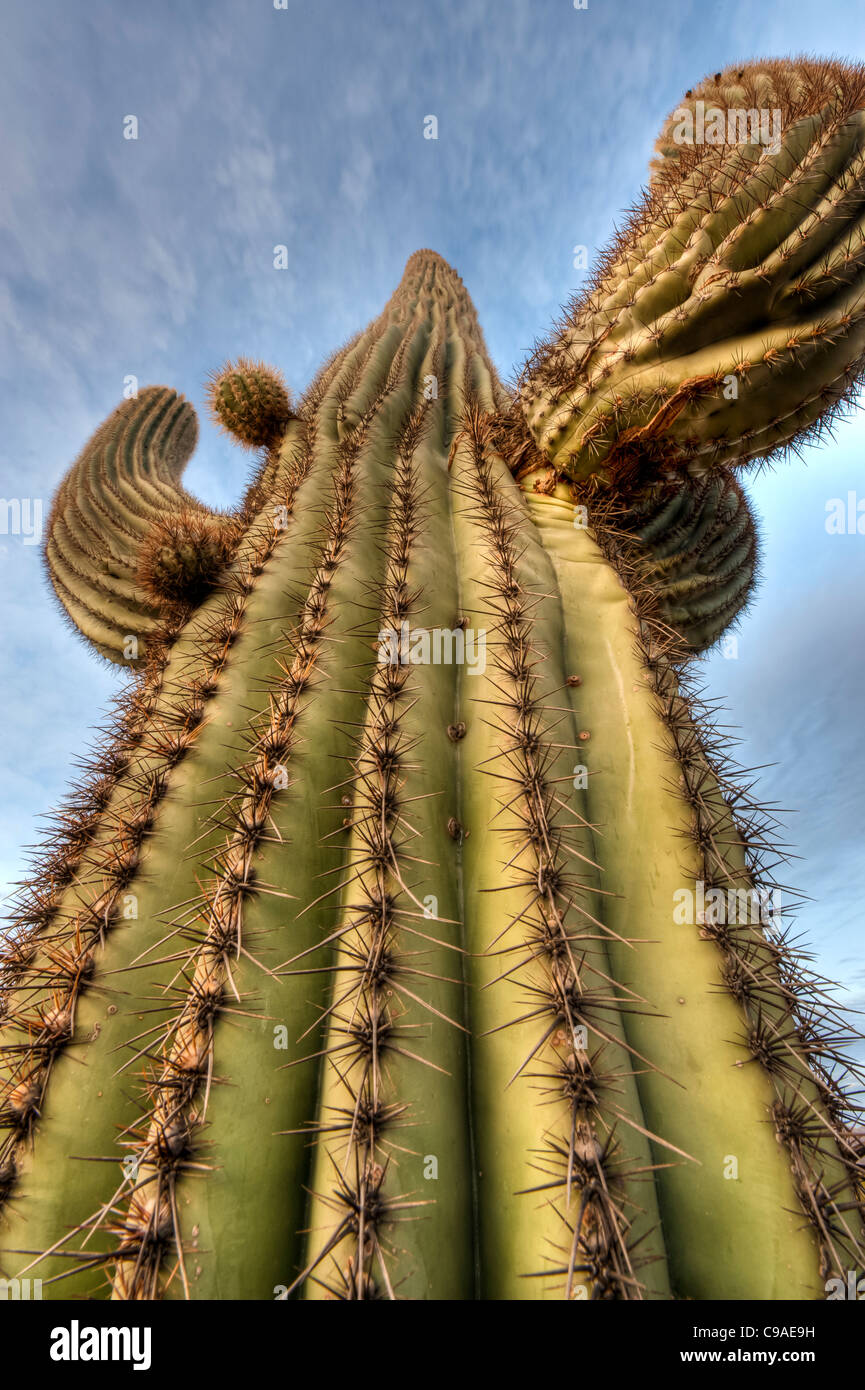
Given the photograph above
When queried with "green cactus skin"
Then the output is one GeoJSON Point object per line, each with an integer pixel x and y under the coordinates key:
{"type": "Point", "coordinates": [125, 480]}
{"type": "Point", "coordinates": [741, 269]}
{"type": "Point", "coordinates": [359, 978]}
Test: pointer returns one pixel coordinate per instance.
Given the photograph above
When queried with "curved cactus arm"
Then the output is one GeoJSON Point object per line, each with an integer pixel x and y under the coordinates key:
{"type": "Point", "coordinates": [125, 480]}
{"type": "Point", "coordinates": [689, 544]}
{"type": "Point", "coordinates": [727, 321]}
{"type": "Point", "coordinates": [691, 548]}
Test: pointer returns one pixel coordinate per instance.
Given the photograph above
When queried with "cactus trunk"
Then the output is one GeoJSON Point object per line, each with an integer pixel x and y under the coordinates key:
{"type": "Point", "coordinates": [401, 940]}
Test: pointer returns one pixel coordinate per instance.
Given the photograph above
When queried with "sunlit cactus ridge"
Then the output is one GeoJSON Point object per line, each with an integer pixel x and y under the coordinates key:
{"type": "Point", "coordinates": [411, 932]}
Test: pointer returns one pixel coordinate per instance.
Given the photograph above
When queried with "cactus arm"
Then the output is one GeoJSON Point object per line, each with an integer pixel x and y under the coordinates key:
{"type": "Point", "coordinates": [690, 546]}
{"type": "Point", "coordinates": [125, 479]}
{"type": "Point", "coordinates": [727, 272]}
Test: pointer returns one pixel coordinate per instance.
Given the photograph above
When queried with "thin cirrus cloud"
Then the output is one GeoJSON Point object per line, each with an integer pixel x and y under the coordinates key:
{"type": "Point", "coordinates": [303, 127]}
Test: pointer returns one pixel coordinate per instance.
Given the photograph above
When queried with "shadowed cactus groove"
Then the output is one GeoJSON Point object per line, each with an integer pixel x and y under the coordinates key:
{"type": "Point", "coordinates": [412, 933]}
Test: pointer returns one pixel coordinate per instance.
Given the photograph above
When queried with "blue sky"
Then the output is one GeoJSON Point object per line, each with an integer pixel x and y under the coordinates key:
{"type": "Point", "coordinates": [304, 127]}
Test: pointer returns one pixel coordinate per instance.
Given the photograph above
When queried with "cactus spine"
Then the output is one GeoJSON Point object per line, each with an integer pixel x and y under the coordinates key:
{"type": "Point", "coordinates": [353, 969]}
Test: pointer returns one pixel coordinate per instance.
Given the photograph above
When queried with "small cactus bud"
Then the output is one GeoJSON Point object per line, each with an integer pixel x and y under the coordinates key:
{"type": "Point", "coordinates": [250, 401]}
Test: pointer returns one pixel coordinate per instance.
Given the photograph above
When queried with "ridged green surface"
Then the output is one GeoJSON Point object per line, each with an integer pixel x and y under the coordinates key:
{"type": "Point", "coordinates": [693, 546]}
{"type": "Point", "coordinates": [355, 977]}
{"type": "Point", "coordinates": [728, 318]}
{"type": "Point", "coordinates": [125, 479]}
{"type": "Point", "coordinates": [711, 1101]}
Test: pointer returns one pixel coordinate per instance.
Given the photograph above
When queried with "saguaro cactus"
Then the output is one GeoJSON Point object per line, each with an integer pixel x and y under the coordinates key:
{"type": "Point", "coordinates": [401, 939]}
